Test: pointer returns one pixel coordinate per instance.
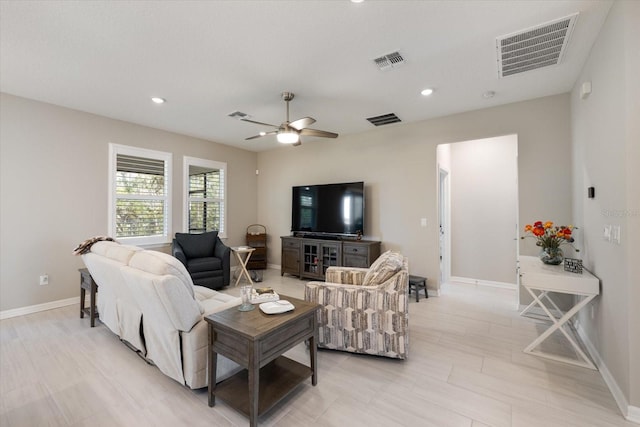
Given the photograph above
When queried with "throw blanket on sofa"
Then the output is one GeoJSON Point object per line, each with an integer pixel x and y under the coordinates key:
{"type": "Point", "coordinates": [85, 246]}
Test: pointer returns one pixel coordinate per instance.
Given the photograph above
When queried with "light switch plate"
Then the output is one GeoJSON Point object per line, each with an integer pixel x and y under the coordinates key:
{"type": "Point", "coordinates": [607, 233]}
{"type": "Point", "coordinates": [423, 222]}
{"type": "Point", "coordinates": [615, 234]}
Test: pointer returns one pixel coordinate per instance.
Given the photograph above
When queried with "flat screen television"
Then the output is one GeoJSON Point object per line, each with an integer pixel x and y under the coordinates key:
{"type": "Point", "coordinates": [329, 209]}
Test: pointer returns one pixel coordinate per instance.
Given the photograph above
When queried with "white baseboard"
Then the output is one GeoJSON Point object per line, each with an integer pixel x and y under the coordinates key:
{"type": "Point", "coordinates": [15, 312]}
{"type": "Point", "coordinates": [631, 413]}
{"type": "Point", "coordinates": [479, 282]}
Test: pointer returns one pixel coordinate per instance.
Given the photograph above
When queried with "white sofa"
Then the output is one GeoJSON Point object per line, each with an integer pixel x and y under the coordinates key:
{"type": "Point", "coordinates": [147, 298]}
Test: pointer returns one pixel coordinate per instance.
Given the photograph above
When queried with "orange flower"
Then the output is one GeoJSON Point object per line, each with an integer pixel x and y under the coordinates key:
{"type": "Point", "coordinates": [538, 231]}
{"type": "Point", "coordinates": [528, 227]}
{"type": "Point", "coordinates": [548, 224]}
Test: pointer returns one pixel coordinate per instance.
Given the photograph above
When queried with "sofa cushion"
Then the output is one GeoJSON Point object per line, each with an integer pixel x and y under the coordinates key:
{"type": "Point", "coordinates": [197, 245]}
{"type": "Point", "coordinates": [163, 264]}
{"type": "Point", "coordinates": [382, 269]}
{"type": "Point", "coordinates": [101, 248]}
{"type": "Point", "coordinates": [122, 253]}
{"type": "Point", "coordinates": [198, 265]}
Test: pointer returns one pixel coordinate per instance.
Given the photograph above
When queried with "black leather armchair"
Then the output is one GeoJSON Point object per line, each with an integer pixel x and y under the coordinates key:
{"type": "Point", "coordinates": [206, 258]}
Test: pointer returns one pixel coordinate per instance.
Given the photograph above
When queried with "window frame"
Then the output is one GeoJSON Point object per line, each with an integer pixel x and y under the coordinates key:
{"type": "Point", "coordinates": [114, 150]}
{"type": "Point", "coordinates": [205, 163]}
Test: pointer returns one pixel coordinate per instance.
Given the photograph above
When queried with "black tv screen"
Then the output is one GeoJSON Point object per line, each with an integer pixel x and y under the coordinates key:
{"type": "Point", "coordinates": [328, 209]}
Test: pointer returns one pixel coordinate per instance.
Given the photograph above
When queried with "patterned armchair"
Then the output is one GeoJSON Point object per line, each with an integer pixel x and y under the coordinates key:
{"type": "Point", "coordinates": [364, 310]}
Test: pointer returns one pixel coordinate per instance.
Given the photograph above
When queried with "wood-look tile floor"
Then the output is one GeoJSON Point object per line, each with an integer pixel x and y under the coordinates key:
{"type": "Point", "coordinates": [465, 368]}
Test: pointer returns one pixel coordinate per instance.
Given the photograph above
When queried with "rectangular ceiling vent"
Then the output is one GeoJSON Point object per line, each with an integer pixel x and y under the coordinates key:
{"type": "Point", "coordinates": [536, 47]}
{"type": "Point", "coordinates": [239, 115]}
{"type": "Point", "coordinates": [389, 61]}
{"type": "Point", "coordinates": [385, 119]}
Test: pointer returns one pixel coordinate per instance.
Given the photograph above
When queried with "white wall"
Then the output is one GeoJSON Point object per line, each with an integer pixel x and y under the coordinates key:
{"type": "Point", "coordinates": [606, 154]}
{"type": "Point", "coordinates": [484, 203]}
{"type": "Point", "coordinates": [53, 188]}
{"type": "Point", "coordinates": [398, 165]}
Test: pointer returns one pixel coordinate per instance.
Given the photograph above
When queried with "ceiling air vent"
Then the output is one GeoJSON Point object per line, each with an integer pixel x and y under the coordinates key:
{"type": "Point", "coordinates": [239, 115]}
{"type": "Point", "coordinates": [385, 119]}
{"type": "Point", "coordinates": [389, 61]}
{"type": "Point", "coordinates": [536, 47]}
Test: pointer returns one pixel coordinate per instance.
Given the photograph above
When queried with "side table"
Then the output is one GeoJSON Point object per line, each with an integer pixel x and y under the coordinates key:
{"type": "Point", "coordinates": [88, 284]}
{"type": "Point", "coordinates": [256, 341]}
{"type": "Point", "coordinates": [239, 251]}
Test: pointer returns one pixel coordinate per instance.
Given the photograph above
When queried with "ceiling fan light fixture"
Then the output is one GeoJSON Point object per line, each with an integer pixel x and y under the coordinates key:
{"type": "Point", "coordinates": [287, 137]}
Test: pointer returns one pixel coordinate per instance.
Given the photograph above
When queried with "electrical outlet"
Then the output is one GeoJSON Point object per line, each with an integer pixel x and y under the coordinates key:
{"type": "Point", "coordinates": [44, 279]}
{"type": "Point", "coordinates": [423, 222]}
{"type": "Point", "coordinates": [606, 233]}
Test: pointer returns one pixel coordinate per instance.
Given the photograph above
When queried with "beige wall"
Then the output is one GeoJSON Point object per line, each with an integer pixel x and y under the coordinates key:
{"type": "Point", "coordinates": [398, 165]}
{"type": "Point", "coordinates": [484, 208]}
{"type": "Point", "coordinates": [53, 188]}
{"type": "Point", "coordinates": [606, 141]}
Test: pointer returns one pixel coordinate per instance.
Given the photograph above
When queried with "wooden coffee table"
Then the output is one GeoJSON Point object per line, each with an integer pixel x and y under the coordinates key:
{"type": "Point", "coordinates": [256, 341]}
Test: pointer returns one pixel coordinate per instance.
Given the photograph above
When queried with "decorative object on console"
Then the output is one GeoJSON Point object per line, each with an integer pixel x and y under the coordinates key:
{"type": "Point", "coordinates": [573, 265]}
{"type": "Point", "coordinates": [550, 237]}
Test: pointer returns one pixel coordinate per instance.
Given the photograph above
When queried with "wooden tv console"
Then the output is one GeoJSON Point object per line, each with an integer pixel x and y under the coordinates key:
{"type": "Point", "coordinates": [308, 257]}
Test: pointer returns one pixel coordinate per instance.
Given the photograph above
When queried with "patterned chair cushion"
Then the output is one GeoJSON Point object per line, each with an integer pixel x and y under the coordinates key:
{"type": "Point", "coordinates": [382, 269]}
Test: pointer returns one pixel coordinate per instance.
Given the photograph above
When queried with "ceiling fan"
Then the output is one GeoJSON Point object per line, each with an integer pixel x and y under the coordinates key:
{"type": "Point", "coordinates": [290, 132]}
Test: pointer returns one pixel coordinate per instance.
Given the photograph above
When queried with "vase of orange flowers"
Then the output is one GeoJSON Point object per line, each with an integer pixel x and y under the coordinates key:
{"type": "Point", "coordinates": [550, 238]}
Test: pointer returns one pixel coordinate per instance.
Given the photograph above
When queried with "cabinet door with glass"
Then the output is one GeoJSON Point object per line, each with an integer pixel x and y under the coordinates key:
{"type": "Point", "coordinates": [311, 259]}
{"type": "Point", "coordinates": [331, 256]}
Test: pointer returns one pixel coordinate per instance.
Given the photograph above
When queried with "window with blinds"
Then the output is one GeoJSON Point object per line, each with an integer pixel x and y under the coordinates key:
{"type": "Point", "coordinates": [206, 195]}
{"type": "Point", "coordinates": [140, 204]}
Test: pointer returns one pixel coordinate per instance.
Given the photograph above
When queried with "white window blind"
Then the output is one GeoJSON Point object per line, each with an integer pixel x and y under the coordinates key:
{"type": "Point", "coordinates": [205, 191]}
{"type": "Point", "coordinates": [140, 203]}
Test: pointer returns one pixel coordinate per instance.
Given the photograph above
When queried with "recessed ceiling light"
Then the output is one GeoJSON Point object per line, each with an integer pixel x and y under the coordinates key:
{"type": "Point", "coordinates": [262, 133]}
{"type": "Point", "coordinates": [158, 100]}
{"type": "Point", "coordinates": [488, 94]}
{"type": "Point", "coordinates": [357, 1]}
{"type": "Point", "coordinates": [427, 92]}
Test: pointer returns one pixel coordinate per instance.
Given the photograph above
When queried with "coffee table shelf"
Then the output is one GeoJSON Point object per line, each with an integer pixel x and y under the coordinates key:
{"type": "Point", "coordinates": [277, 379]}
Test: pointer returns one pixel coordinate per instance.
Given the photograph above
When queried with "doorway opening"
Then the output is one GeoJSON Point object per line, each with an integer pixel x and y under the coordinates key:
{"type": "Point", "coordinates": [478, 209]}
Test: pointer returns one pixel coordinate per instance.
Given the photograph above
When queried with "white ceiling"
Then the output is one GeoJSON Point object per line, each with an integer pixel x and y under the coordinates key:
{"type": "Point", "coordinates": [210, 58]}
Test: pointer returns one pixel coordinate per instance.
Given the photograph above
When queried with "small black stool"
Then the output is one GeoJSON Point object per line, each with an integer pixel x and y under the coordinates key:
{"type": "Point", "coordinates": [417, 282]}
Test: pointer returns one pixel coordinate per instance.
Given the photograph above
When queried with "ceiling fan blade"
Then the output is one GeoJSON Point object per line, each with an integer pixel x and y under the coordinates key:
{"type": "Point", "coordinates": [259, 123]}
{"type": "Point", "coordinates": [316, 132]}
{"type": "Point", "coordinates": [302, 123]}
{"type": "Point", "coordinates": [261, 135]}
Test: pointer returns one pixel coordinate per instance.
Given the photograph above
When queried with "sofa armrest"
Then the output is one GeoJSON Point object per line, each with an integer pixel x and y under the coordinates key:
{"type": "Point", "coordinates": [178, 252]}
{"type": "Point", "coordinates": [223, 252]}
{"type": "Point", "coordinates": [346, 275]}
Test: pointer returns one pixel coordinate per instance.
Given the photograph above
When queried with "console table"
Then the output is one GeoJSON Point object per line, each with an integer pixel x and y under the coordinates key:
{"type": "Point", "coordinates": [256, 341]}
{"type": "Point", "coordinates": [544, 279]}
{"type": "Point", "coordinates": [310, 257]}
